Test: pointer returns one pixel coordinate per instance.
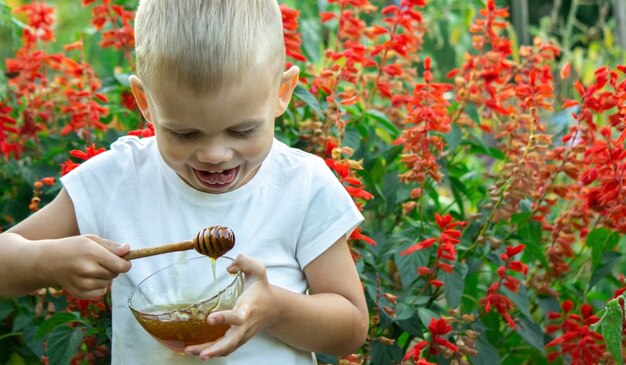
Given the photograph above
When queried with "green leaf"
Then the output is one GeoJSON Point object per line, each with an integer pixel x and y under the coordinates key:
{"type": "Point", "coordinates": [311, 42]}
{"type": "Point", "coordinates": [408, 264]}
{"type": "Point", "coordinates": [479, 146]}
{"type": "Point", "coordinates": [487, 353]}
{"type": "Point", "coordinates": [426, 315]}
{"type": "Point", "coordinates": [607, 262]}
{"type": "Point", "coordinates": [453, 138]}
{"type": "Point", "coordinates": [455, 285]}
{"type": "Point", "coordinates": [385, 354]}
{"type": "Point", "coordinates": [417, 300]}
{"type": "Point", "coordinates": [458, 199]}
{"type": "Point", "coordinates": [390, 185]}
{"type": "Point", "coordinates": [122, 78]}
{"type": "Point", "coordinates": [520, 217]}
{"type": "Point", "coordinates": [326, 359]}
{"type": "Point", "coordinates": [308, 98]}
{"type": "Point", "coordinates": [32, 341]}
{"type": "Point", "coordinates": [57, 320]}
{"type": "Point", "coordinates": [531, 333]}
{"type": "Point", "coordinates": [601, 240]}
{"type": "Point", "coordinates": [520, 299]}
{"type": "Point", "coordinates": [352, 138]}
{"type": "Point", "coordinates": [611, 324]}
{"type": "Point", "coordinates": [21, 321]}
{"type": "Point", "coordinates": [16, 359]}
{"type": "Point", "coordinates": [383, 121]}
{"type": "Point", "coordinates": [63, 343]}
{"type": "Point", "coordinates": [530, 232]}
{"type": "Point", "coordinates": [6, 308]}
{"type": "Point", "coordinates": [404, 311]}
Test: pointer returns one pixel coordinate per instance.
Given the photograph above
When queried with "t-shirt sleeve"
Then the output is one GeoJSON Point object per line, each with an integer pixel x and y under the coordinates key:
{"type": "Point", "coordinates": [92, 187]}
{"type": "Point", "coordinates": [331, 213]}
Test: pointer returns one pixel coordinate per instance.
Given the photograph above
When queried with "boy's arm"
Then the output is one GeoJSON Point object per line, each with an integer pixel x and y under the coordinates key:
{"type": "Point", "coordinates": [332, 320]}
{"type": "Point", "coordinates": [45, 250]}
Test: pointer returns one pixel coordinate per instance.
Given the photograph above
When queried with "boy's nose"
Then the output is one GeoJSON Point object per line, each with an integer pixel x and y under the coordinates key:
{"type": "Point", "coordinates": [214, 153]}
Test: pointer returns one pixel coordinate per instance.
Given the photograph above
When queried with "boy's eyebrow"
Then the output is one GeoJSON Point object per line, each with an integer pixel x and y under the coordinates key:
{"type": "Point", "coordinates": [250, 122]}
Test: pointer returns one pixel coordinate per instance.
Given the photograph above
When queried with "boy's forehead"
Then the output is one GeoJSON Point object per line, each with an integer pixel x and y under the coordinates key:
{"type": "Point", "coordinates": [241, 104]}
{"type": "Point", "coordinates": [254, 83]}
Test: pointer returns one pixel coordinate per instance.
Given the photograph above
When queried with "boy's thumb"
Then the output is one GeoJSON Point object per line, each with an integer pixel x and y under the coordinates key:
{"type": "Point", "coordinates": [114, 247]}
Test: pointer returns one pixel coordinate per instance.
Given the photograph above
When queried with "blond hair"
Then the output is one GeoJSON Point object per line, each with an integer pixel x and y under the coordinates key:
{"type": "Point", "coordinates": [203, 45]}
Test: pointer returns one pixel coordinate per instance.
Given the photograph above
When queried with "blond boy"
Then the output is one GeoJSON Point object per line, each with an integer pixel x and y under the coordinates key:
{"type": "Point", "coordinates": [210, 78]}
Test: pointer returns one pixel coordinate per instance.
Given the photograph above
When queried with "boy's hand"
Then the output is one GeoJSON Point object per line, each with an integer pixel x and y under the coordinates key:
{"type": "Point", "coordinates": [85, 265]}
{"type": "Point", "coordinates": [254, 310]}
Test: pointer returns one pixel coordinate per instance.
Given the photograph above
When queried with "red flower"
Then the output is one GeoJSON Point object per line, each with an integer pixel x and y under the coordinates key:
{"type": "Point", "coordinates": [144, 133]}
{"type": "Point", "coordinates": [7, 128]}
{"type": "Point", "coordinates": [493, 298]}
{"type": "Point", "coordinates": [89, 152]}
{"type": "Point", "coordinates": [128, 100]}
{"type": "Point", "coordinates": [121, 34]}
{"type": "Point", "coordinates": [446, 249]}
{"type": "Point", "coordinates": [427, 113]}
{"type": "Point", "coordinates": [48, 180]}
{"type": "Point", "coordinates": [357, 235]}
{"type": "Point", "coordinates": [293, 42]}
{"type": "Point", "coordinates": [577, 341]}
{"type": "Point", "coordinates": [438, 329]}
{"type": "Point", "coordinates": [40, 22]}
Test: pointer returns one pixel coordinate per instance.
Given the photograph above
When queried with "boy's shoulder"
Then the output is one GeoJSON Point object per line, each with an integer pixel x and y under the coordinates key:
{"type": "Point", "coordinates": [292, 157]}
{"type": "Point", "coordinates": [128, 143]}
{"type": "Point", "coordinates": [140, 150]}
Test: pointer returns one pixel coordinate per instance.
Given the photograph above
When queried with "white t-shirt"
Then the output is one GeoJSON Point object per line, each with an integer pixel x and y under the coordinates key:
{"type": "Point", "coordinates": [289, 213]}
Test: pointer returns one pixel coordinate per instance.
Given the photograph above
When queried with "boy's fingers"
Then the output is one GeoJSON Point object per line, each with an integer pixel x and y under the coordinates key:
{"type": "Point", "coordinates": [93, 284]}
{"type": "Point", "coordinates": [250, 267]}
{"type": "Point", "coordinates": [233, 339]}
{"type": "Point", "coordinates": [234, 317]}
{"type": "Point", "coordinates": [196, 349]}
{"type": "Point", "coordinates": [113, 263]}
{"type": "Point", "coordinates": [116, 248]}
{"type": "Point", "coordinates": [88, 294]}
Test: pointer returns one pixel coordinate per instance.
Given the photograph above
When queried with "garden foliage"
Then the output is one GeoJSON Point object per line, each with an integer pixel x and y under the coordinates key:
{"type": "Point", "coordinates": [495, 207]}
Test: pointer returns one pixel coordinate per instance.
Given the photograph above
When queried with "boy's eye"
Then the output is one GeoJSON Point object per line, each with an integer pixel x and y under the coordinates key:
{"type": "Point", "coordinates": [242, 133]}
{"type": "Point", "coordinates": [183, 135]}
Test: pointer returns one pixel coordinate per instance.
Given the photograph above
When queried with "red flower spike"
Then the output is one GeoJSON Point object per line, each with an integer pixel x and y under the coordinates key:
{"type": "Point", "coordinates": [565, 70]}
{"type": "Point", "coordinates": [436, 283]}
{"type": "Point", "coordinates": [293, 42]}
{"type": "Point", "coordinates": [89, 152]}
{"type": "Point", "coordinates": [358, 236]}
{"type": "Point", "coordinates": [48, 181]}
{"type": "Point", "coordinates": [423, 271]}
{"type": "Point", "coordinates": [577, 340]}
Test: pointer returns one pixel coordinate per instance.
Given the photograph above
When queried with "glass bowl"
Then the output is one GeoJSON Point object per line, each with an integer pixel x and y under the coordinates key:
{"type": "Point", "coordinates": [173, 303]}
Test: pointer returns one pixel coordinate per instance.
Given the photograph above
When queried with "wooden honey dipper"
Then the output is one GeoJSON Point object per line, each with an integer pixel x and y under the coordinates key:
{"type": "Point", "coordinates": [213, 241]}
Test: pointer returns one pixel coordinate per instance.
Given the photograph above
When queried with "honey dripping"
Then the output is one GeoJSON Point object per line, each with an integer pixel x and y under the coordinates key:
{"type": "Point", "coordinates": [214, 242]}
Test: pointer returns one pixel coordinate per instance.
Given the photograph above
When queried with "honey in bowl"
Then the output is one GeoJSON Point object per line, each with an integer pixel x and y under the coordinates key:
{"type": "Point", "coordinates": [172, 303]}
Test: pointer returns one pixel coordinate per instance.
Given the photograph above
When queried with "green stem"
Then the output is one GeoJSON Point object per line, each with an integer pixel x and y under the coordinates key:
{"type": "Point", "coordinates": [12, 334]}
{"type": "Point", "coordinates": [569, 25]}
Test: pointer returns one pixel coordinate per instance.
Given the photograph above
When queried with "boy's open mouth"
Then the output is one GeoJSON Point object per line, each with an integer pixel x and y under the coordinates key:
{"type": "Point", "coordinates": [216, 179]}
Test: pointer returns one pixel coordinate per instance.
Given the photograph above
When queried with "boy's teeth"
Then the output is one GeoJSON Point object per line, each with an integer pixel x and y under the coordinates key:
{"type": "Point", "coordinates": [217, 177]}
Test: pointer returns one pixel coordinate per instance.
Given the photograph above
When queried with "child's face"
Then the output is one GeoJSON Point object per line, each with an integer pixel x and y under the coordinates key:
{"type": "Point", "coordinates": [216, 143]}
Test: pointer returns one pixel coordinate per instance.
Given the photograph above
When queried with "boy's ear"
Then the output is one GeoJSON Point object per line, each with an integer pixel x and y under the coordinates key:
{"type": "Point", "coordinates": [287, 85]}
{"type": "Point", "coordinates": [140, 96]}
